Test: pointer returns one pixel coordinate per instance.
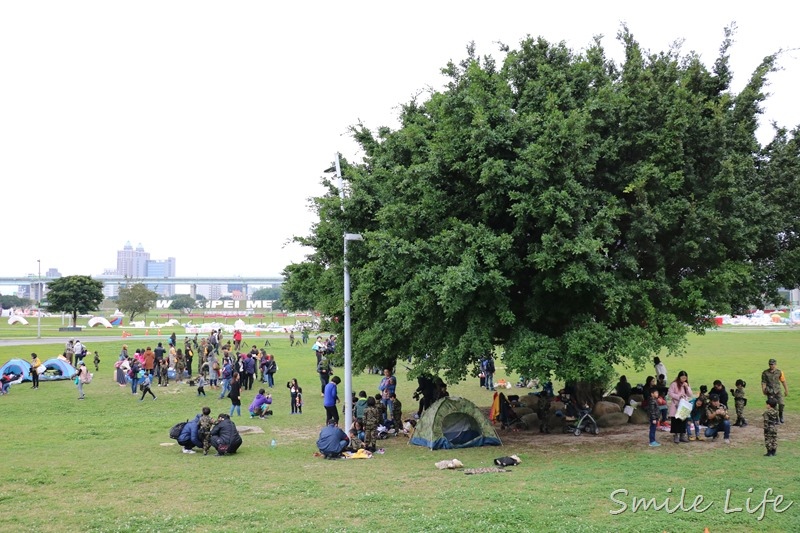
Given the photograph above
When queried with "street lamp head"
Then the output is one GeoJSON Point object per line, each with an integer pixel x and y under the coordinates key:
{"type": "Point", "coordinates": [330, 169]}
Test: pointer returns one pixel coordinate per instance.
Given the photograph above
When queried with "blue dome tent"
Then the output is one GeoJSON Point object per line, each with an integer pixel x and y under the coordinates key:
{"type": "Point", "coordinates": [18, 366]}
{"type": "Point", "coordinates": [57, 369]}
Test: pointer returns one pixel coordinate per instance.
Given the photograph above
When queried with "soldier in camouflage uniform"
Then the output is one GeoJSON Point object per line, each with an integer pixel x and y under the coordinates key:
{"type": "Point", "coordinates": [771, 421]}
{"type": "Point", "coordinates": [771, 381]}
{"type": "Point", "coordinates": [204, 426]}
{"type": "Point", "coordinates": [543, 411]}
{"type": "Point", "coordinates": [739, 401]}
{"type": "Point", "coordinates": [372, 417]}
{"type": "Point", "coordinates": [397, 412]}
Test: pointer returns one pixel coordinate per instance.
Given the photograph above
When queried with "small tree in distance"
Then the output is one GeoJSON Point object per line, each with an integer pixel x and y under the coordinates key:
{"type": "Point", "coordinates": [183, 301]}
{"type": "Point", "coordinates": [75, 295]}
{"type": "Point", "coordinates": [136, 299]}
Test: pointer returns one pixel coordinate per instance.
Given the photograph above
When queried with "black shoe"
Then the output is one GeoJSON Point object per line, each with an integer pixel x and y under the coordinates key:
{"type": "Point", "coordinates": [768, 454]}
{"type": "Point", "coordinates": [782, 422]}
{"type": "Point", "coordinates": [744, 424]}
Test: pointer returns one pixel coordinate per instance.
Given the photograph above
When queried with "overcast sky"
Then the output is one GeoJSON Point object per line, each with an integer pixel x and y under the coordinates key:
{"type": "Point", "coordinates": [200, 129]}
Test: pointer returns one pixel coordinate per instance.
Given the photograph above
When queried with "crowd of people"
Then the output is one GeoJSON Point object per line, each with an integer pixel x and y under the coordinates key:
{"type": "Point", "coordinates": [676, 408]}
{"type": "Point", "coordinates": [671, 406]}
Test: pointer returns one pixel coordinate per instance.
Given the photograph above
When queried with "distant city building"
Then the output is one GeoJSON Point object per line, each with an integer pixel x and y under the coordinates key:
{"type": "Point", "coordinates": [137, 265]}
{"type": "Point", "coordinates": [109, 291]}
{"type": "Point", "coordinates": [214, 292]}
{"type": "Point", "coordinates": [35, 291]}
{"type": "Point", "coordinates": [132, 263]}
{"type": "Point", "coordinates": [209, 292]}
{"type": "Point", "coordinates": [161, 269]}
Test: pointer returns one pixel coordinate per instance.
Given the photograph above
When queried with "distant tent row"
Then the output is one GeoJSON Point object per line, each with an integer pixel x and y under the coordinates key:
{"type": "Point", "coordinates": [453, 422]}
{"type": "Point", "coordinates": [54, 369]}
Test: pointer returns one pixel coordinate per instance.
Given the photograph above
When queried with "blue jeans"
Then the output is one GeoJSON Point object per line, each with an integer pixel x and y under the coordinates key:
{"type": "Point", "coordinates": [725, 426]}
{"type": "Point", "coordinates": [237, 408]}
{"type": "Point", "coordinates": [226, 387]}
{"type": "Point", "coordinates": [388, 404]}
{"type": "Point", "coordinates": [270, 380]}
{"type": "Point", "coordinates": [489, 380]}
{"type": "Point", "coordinates": [134, 385]}
{"type": "Point", "coordinates": [653, 430]}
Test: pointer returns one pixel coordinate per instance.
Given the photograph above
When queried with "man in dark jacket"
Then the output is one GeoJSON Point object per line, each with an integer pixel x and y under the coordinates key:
{"type": "Point", "coordinates": [332, 440]}
{"type": "Point", "coordinates": [189, 437]}
{"type": "Point", "coordinates": [225, 437]}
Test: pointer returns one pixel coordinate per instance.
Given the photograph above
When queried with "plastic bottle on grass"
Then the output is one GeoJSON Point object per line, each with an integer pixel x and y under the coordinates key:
{"type": "Point", "coordinates": [274, 443]}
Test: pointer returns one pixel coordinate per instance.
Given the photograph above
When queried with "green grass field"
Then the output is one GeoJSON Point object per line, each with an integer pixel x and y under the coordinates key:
{"type": "Point", "coordinates": [99, 464]}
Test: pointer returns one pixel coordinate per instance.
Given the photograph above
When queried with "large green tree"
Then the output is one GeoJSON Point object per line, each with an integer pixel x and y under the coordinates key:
{"type": "Point", "coordinates": [136, 299]}
{"type": "Point", "coordinates": [300, 289]}
{"type": "Point", "coordinates": [571, 211]}
{"type": "Point", "coordinates": [75, 295]}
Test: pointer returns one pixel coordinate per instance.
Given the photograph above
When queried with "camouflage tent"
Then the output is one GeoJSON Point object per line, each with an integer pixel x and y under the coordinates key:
{"type": "Point", "coordinates": [454, 422]}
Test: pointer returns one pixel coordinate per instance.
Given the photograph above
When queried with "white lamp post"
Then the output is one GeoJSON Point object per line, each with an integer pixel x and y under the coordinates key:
{"type": "Point", "coordinates": [39, 302]}
{"type": "Point", "coordinates": [348, 355]}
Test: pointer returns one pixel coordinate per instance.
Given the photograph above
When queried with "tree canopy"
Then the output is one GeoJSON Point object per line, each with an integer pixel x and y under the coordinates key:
{"type": "Point", "coordinates": [267, 293]}
{"type": "Point", "coordinates": [8, 301]}
{"type": "Point", "coordinates": [183, 301]}
{"type": "Point", "coordinates": [569, 210]}
{"type": "Point", "coordinates": [136, 299]}
{"type": "Point", "coordinates": [75, 295]}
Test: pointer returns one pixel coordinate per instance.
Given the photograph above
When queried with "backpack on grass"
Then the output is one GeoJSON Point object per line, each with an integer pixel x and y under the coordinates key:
{"type": "Point", "coordinates": [175, 431]}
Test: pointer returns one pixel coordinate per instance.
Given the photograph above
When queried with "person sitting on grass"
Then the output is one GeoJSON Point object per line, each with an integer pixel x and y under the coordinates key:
{"type": "Point", "coordinates": [332, 440]}
{"type": "Point", "coordinates": [718, 419]}
{"type": "Point", "coordinates": [696, 418]}
{"type": "Point", "coordinates": [355, 443]}
{"type": "Point", "coordinates": [7, 380]}
{"type": "Point", "coordinates": [260, 406]}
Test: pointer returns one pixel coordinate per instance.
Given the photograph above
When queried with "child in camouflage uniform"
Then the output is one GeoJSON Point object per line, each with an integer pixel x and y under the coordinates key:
{"type": "Point", "coordinates": [739, 401]}
{"type": "Point", "coordinates": [771, 421]}
{"type": "Point", "coordinates": [180, 366]}
{"type": "Point", "coordinates": [381, 408]}
{"type": "Point", "coordinates": [163, 377]}
{"type": "Point", "coordinates": [355, 443]}
{"type": "Point", "coordinates": [397, 412]}
{"type": "Point", "coordinates": [204, 426]}
{"type": "Point", "coordinates": [372, 417]}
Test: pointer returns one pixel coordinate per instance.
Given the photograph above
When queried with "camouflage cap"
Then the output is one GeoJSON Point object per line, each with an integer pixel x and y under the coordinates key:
{"type": "Point", "coordinates": [773, 362]}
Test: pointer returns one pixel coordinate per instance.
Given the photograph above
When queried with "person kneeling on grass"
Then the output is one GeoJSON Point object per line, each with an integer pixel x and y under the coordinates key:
{"type": "Point", "coordinates": [332, 440]}
{"type": "Point", "coordinates": [260, 406]}
{"type": "Point", "coordinates": [225, 437]}
{"type": "Point", "coordinates": [190, 436]}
